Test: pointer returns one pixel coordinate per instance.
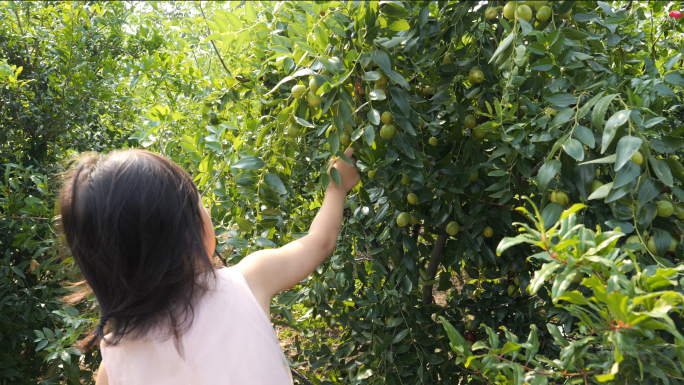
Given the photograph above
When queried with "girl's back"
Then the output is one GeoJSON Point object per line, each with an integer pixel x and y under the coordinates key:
{"type": "Point", "coordinates": [137, 229]}
{"type": "Point", "coordinates": [231, 341]}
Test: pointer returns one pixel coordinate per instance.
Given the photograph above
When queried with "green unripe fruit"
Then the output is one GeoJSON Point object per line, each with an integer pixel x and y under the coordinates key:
{"type": "Point", "coordinates": [293, 130]}
{"type": "Point", "coordinates": [446, 60]}
{"type": "Point", "coordinates": [469, 323]}
{"type": "Point", "coordinates": [595, 185]}
{"type": "Point", "coordinates": [313, 99]}
{"type": "Point", "coordinates": [470, 121]}
{"type": "Point", "coordinates": [433, 141]}
{"type": "Point", "coordinates": [679, 210]}
{"type": "Point", "coordinates": [637, 158]}
{"type": "Point", "coordinates": [345, 138]}
{"type": "Point", "coordinates": [524, 12]}
{"type": "Point", "coordinates": [403, 219]}
{"type": "Point", "coordinates": [512, 290]}
{"type": "Point", "coordinates": [488, 232]}
{"type": "Point", "coordinates": [539, 5]}
{"type": "Point", "coordinates": [307, 303]}
{"type": "Point", "coordinates": [562, 198]}
{"type": "Point", "coordinates": [476, 77]}
{"type": "Point", "coordinates": [386, 117]}
{"type": "Point", "coordinates": [598, 173]}
{"type": "Point", "coordinates": [480, 134]}
{"type": "Point", "coordinates": [473, 177]}
{"type": "Point", "coordinates": [388, 131]}
{"type": "Point", "coordinates": [491, 13]}
{"type": "Point", "coordinates": [651, 245]}
{"type": "Point", "coordinates": [553, 196]}
{"type": "Point", "coordinates": [544, 13]}
{"type": "Point", "coordinates": [313, 85]}
{"type": "Point", "coordinates": [578, 278]}
{"type": "Point", "coordinates": [412, 198]}
{"type": "Point", "coordinates": [509, 10]}
{"type": "Point", "coordinates": [665, 209]}
{"type": "Point", "coordinates": [414, 220]}
{"type": "Point", "coordinates": [405, 179]}
{"type": "Point", "coordinates": [516, 280]}
{"type": "Point", "coordinates": [371, 174]}
{"type": "Point", "coordinates": [452, 228]}
{"type": "Point", "coordinates": [566, 15]}
{"type": "Point", "coordinates": [298, 91]}
{"type": "Point", "coordinates": [673, 245]}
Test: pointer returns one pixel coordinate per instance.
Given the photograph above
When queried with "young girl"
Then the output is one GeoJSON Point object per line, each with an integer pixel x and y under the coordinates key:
{"type": "Point", "coordinates": [135, 223]}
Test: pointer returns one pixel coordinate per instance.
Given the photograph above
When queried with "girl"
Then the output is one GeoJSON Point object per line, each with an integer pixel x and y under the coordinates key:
{"type": "Point", "coordinates": [135, 223]}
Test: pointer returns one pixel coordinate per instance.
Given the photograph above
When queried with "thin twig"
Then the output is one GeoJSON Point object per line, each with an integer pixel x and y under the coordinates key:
{"type": "Point", "coordinates": [239, 78]}
{"type": "Point", "coordinates": [302, 378]}
{"type": "Point", "coordinates": [36, 218]}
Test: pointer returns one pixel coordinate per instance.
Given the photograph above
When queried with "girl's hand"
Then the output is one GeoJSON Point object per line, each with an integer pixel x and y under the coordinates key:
{"type": "Point", "coordinates": [348, 173]}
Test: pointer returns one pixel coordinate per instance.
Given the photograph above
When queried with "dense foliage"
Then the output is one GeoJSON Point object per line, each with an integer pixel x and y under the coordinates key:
{"type": "Point", "coordinates": [458, 111]}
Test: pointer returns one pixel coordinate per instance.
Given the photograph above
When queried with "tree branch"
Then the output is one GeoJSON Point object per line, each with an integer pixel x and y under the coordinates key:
{"type": "Point", "coordinates": [239, 78]}
{"type": "Point", "coordinates": [433, 265]}
{"type": "Point", "coordinates": [302, 378]}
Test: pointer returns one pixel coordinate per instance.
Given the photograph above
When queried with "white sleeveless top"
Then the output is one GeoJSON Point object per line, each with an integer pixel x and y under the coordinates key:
{"type": "Point", "coordinates": [230, 341]}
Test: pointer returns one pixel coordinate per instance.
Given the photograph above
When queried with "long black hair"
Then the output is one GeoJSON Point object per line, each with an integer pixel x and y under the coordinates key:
{"type": "Point", "coordinates": [132, 221]}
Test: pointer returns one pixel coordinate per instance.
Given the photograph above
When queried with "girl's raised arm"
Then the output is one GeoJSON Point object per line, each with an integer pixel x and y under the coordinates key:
{"type": "Point", "coordinates": [271, 271]}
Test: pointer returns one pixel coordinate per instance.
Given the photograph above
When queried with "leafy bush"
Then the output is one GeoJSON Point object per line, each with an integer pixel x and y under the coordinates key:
{"type": "Point", "coordinates": [619, 317]}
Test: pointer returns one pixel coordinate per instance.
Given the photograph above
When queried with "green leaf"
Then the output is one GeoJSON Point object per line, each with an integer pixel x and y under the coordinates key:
{"type": "Point", "coordinates": [265, 242]}
{"type": "Point", "coordinates": [626, 147]}
{"type": "Point", "coordinates": [382, 60]}
{"type": "Point", "coordinates": [399, 25]}
{"type": "Point", "coordinates": [601, 192]}
{"type": "Point", "coordinates": [563, 116]}
{"type": "Point", "coordinates": [675, 78]}
{"type": "Point", "coordinates": [508, 242]}
{"type": "Point", "coordinates": [574, 34]}
{"type": "Point", "coordinates": [303, 122]}
{"type": "Point", "coordinates": [374, 117]}
{"type": "Point", "coordinates": [662, 170]}
{"type": "Point", "coordinates": [585, 135]}
{"type": "Point", "coordinates": [401, 99]}
{"type": "Point", "coordinates": [404, 146]}
{"type": "Point", "coordinates": [551, 214]}
{"type": "Point", "coordinates": [574, 148]}
{"type": "Point", "coordinates": [584, 110]}
{"type": "Point", "coordinates": [238, 243]}
{"type": "Point", "coordinates": [615, 121]}
{"type": "Point", "coordinates": [503, 46]}
{"type": "Point", "coordinates": [662, 241]}
{"type": "Point", "coordinates": [250, 15]}
{"type": "Point", "coordinates": [234, 20]}
{"type": "Point", "coordinates": [627, 174]}
{"type": "Point", "coordinates": [608, 159]}
{"type": "Point", "coordinates": [335, 175]}
{"type": "Point", "coordinates": [369, 135]}
{"type": "Point", "coordinates": [334, 142]}
{"type": "Point", "coordinates": [321, 36]}
{"type": "Point", "coordinates": [249, 163]}
{"type": "Point", "coordinates": [667, 144]}
{"type": "Point", "coordinates": [377, 94]}
{"type": "Point", "coordinates": [649, 189]}
{"type": "Point", "coordinates": [561, 99]}
{"type": "Point", "coordinates": [541, 276]}
{"type": "Point", "coordinates": [400, 336]}
{"type": "Point", "coordinates": [617, 193]}
{"type": "Point", "coordinates": [599, 111]}
{"type": "Point", "coordinates": [547, 172]}
{"type": "Point", "coordinates": [274, 182]}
